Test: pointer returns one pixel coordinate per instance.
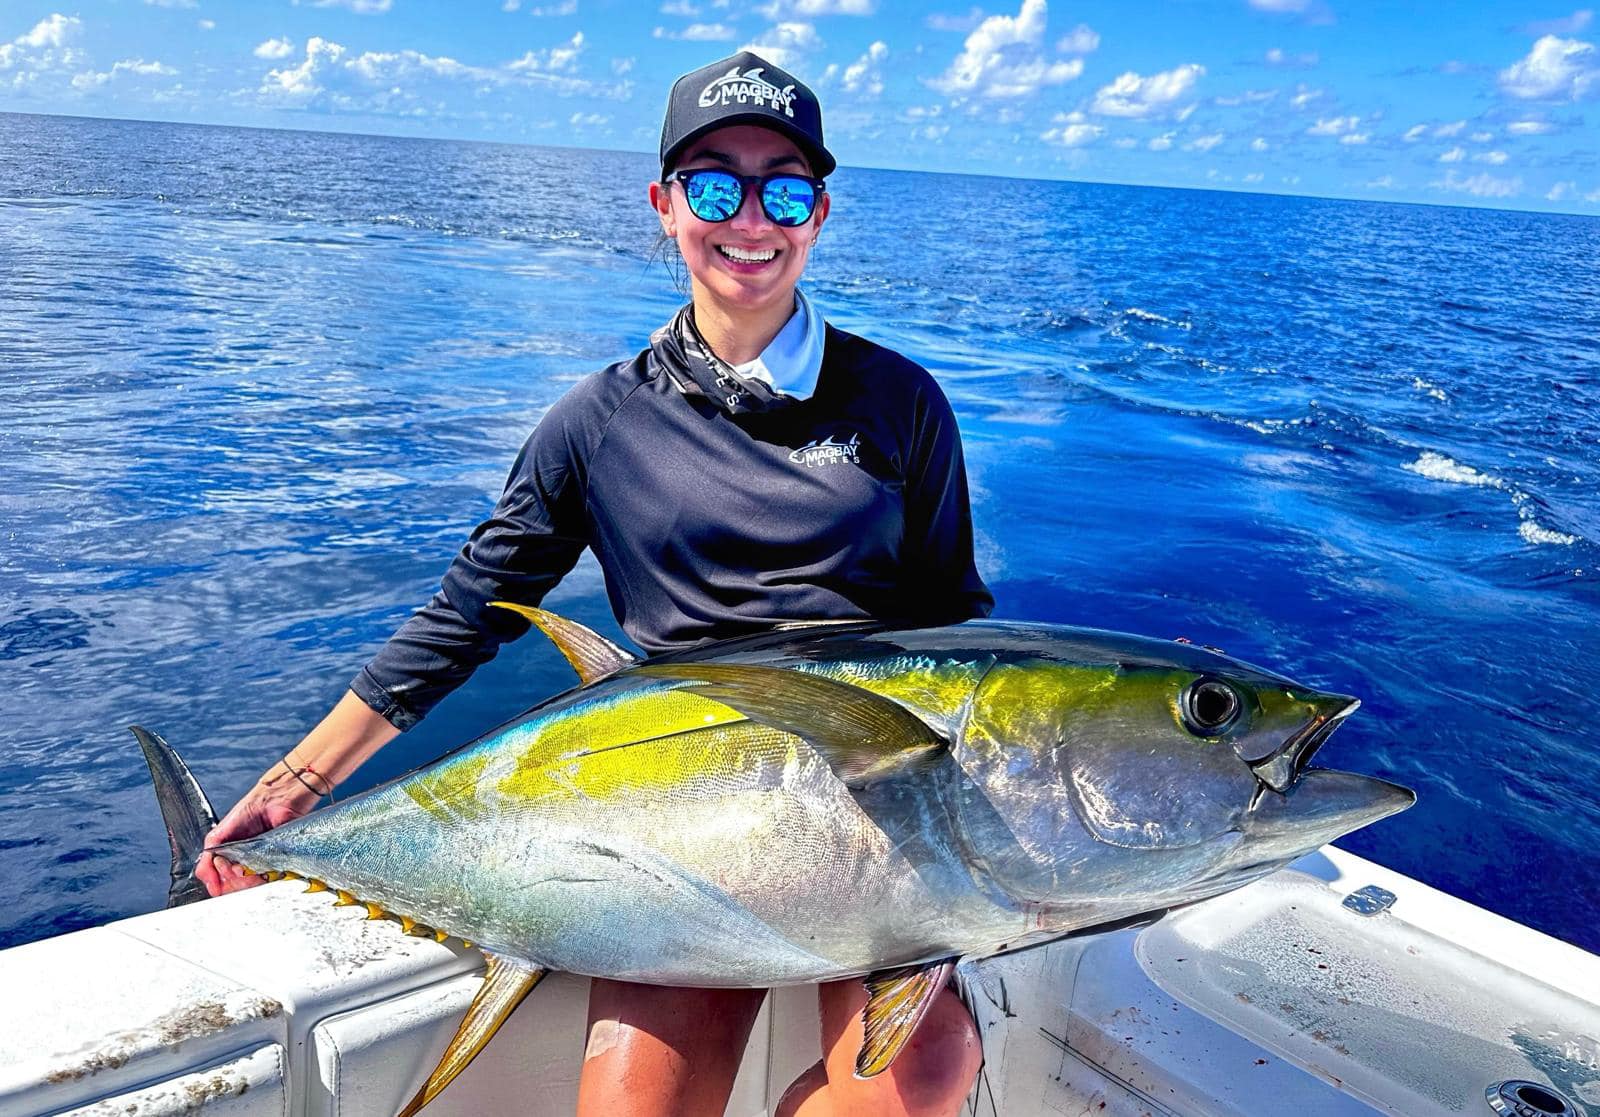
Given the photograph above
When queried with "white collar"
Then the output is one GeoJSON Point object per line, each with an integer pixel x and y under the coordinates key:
{"type": "Point", "coordinates": [792, 361]}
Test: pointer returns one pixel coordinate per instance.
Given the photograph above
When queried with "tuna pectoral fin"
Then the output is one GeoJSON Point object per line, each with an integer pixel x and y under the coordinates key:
{"type": "Point", "coordinates": [863, 736]}
{"type": "Point", "coordinates": [186, 811]}
{"type": "Point", "coordinates": [505, 983]}
{"type": "Point", "coordinates": [592, 656]}
{"type": "Point", "coordinates": [897, 1000]}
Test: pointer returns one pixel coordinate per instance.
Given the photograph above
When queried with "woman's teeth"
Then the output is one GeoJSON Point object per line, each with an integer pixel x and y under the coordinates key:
{"type": "Point", "coordinates": [745, 256]}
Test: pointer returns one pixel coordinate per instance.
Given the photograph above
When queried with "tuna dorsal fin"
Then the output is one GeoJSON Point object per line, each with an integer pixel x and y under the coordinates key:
{"type": "Point", "coordinates": [864, 736]}
{"type": "Point", "coordinates": [897, 1000]}
{"type": "Point", "coordinates": [505, 983]}
{"type": "Point", "coordinates": [591, 654]}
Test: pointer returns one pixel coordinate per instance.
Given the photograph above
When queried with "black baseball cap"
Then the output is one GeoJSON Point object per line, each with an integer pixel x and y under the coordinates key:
{"type": "Point", "coordinates": [744, 89]}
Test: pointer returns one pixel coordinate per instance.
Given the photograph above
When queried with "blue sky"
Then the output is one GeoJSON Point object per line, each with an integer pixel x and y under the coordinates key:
{"type": "Point", "coordinates": [1461, 103]}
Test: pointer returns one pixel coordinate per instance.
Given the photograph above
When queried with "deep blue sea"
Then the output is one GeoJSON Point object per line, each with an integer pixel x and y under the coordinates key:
{"type": "Point", "coordinates": [257, 386]}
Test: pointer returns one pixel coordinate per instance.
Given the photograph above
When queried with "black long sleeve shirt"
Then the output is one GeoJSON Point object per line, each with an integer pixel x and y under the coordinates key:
{"type": "Point", "coordinates": [849, 504]}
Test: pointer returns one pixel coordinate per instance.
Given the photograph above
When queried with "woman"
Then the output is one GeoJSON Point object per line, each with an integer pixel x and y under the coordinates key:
{"type": "Point", "coordinates": [752, 467]}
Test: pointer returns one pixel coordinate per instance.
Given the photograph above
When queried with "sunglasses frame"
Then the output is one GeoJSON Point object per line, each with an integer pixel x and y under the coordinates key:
{"type": "Point", "coordinates": [745, 183]}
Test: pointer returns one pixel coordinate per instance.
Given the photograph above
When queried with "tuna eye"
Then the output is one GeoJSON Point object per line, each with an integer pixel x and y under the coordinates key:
{"type": "Point", "coordinates": [1209, 706]}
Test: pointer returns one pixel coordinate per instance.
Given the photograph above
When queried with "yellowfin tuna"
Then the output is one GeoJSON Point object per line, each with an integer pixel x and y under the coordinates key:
{"type": "Point", "coordinates": [822, 803]}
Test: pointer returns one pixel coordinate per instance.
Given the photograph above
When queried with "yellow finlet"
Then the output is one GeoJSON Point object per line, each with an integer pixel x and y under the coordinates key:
{"type": "Point", "coordinates": [375, 911]}
{"type": "Point", "coordinates": [345, 899]}
{"type": "Point", "coordinates": [315, 885]}
{"type": "Point", "coordinates": [271, 875]}
{"type": "Point", "coordinates": [505, 983]}
{"type": "Point", "coordinates": [292, 876]}
{"type": "Point", "coordinates": [407, 923]}
{"type": "Point", "coordinates": [439, 935]}
{"type": "Point", "coordinates": [592, 656]}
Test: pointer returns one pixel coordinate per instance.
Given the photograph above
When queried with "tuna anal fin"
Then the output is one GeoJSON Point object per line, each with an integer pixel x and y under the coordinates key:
{"type": "Point", "coordinates": [505, 983]}
{"type": "Point", "coordinates": [185, 810]}
{"type": "Point", "coordinates": [897, 1000]}
{"type": "Point", "coordinates": [592, 656]}
{"type": "Point", "coordinates": [863, 736]}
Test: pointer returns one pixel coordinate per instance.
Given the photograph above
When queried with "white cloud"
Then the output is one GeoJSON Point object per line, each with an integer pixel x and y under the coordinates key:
{"type": "Point", "coordinates": [1072, 129]}
{"type": "Point", "coordinates": [274, 49]}
{"type": "Point", "coordinates": [932, 133]}
{"type": "Point", "coordinates": [1355, 138]}
{"type": "Point", "coordinates": [1555, 69]}
{"type": "Point", "coordinates": [1253, 177]}
{"type": "Point", "coordinates": [1453, 129]}
{"type": "Point", "coordinates": [1082, 39]}
{"type": "Point", "coordinates": [1481, 137]}
{"type": "Point", "coordinates": [1259, 144]}
{"type": "Point", "coordinates": [1384, 183]}
{"type": "Point", "coordinates": [588, 120]}
{"type": "Point", "coordinates": [1334, 126]}
{"type": "Point", "coordinates": [303, 82]}
{"type": "Point", "coordinates": [1496, 158]}
{"type": "Point", "coordinates": [1125, 142]}
{"type": "Point", "coordinates": [1530, 127]}
{"type": "Point", "coordinates": [1204, 143]}
{"type": "Point", "coordinates": [45, 46]}
{"type": "Point", "coordinates": [786, 44]}
{"type": "Point", "coordinates": [699, 33]}
{"type": "Point", "coordinates": [620, 66]}
{"type": "Point", "coordinates": [1004, 57]}
{"type": "Point", "coordinates": [206, 24]}
{"type": "Point", "coordinates": [171, 3]}
{"type": "Point", "coordinates": [1569, 25]}
{"type": "Point", "coordinates": [1135, 96]}
{"type": "Point", "coordinates": [1277, 56]}
{"type": "Point", "coordinates": [863, 75]}
{"type": "Point", "coordinates": [1454, 155]}
{"type": "Point", "coordinates": [138, 67]}
{"type": "Point", "coordinates": [1248, 97]}
{"type": "Point", "coordinates": [680, 8]}
{"type": "Point", "coordinates": [360, 7]}
{"type": "Point", "coordinates": [811, 9]}
{"type": "Point", "coordinates": [1482, 185]}
{"type": "Point", "coordinates": [565, 8]}
{"type": "Point", "coordinates": [1280, 5]}
{"type": "Point", "coordinates": [1161, 142]}
{"type": "Point", "coordinates": [1561, 191]}
{"type": "Point", "coordinates": [1414, 133]}
{"type": "Point", "coordinates": [1304, 97]}
{"type": "Point", "coordinates": [939, 21]}
{"type": "Point", "coordinates": [555, 60]}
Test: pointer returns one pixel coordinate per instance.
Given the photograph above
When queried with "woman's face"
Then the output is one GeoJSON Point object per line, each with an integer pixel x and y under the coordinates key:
{"type": "Point", "coordinates": [743, 285]}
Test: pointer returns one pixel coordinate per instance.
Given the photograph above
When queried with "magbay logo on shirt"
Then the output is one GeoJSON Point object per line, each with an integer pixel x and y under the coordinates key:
{"type": "Point", "coordinates": [828, 451]}
{"type": "Point", "coordinates": [750, 87]}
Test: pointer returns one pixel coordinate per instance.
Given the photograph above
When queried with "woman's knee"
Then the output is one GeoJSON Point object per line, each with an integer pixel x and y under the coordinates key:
{"type": "Point", "coordinates": [932, 1076]}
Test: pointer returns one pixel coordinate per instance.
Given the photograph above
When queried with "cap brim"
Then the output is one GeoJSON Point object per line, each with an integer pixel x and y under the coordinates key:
{"type": "Point", "coordinates": [822, 163]}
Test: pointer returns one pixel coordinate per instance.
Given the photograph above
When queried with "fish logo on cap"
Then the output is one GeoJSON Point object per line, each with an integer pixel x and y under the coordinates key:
{"type": "Point", "coordinates": [734, 88]}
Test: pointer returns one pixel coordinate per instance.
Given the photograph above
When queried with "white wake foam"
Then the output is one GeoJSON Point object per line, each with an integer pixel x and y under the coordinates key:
{"type": "Point", "coordinates": [1442, 467]}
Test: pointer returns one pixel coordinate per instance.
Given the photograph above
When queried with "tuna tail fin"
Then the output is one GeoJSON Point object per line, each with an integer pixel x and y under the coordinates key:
{"type": "Point", "coordinates": [186, 811]}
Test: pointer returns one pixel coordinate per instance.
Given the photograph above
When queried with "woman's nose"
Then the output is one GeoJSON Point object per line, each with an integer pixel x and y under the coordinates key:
{"type": "Point", "coordinates": [750, 214]}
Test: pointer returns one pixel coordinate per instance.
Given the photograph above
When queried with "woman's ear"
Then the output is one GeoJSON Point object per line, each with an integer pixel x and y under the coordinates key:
{"type": "Point", "coordinates": [820, 216]}
{"type": "Point", "coordinates": [661, 199]}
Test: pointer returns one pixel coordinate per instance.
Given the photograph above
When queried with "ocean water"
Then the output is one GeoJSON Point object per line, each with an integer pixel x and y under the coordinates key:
{"type": "Point", "coordinates": [256, 387]}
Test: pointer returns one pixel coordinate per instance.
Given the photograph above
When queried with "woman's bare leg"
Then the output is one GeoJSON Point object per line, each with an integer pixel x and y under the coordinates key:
{"type": "Point", "coordinates": [660, 1052]}
{"type": "Point", "coordinates": [931, 1078]}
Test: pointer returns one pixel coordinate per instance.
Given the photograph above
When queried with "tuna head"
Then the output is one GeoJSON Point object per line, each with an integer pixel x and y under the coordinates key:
{"type": "Point", "coordinates": [1106, 763]}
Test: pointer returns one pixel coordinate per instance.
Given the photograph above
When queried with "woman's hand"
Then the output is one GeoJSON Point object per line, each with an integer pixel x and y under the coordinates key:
{"type": "Point", "coordinates": [268, 804]}
{"type": "Point", "coordinates": [327, 756]}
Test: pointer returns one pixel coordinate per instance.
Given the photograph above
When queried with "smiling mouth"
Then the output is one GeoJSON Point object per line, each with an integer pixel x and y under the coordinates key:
{"type": "Point", "coordinates": [747, 255]}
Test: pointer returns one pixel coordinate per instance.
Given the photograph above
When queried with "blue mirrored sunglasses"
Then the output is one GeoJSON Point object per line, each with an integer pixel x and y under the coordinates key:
{"type": "Point", "coordinates": [716, 195]}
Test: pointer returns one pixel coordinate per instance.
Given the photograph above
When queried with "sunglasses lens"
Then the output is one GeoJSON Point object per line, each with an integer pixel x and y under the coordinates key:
{"type": "Point", "coordinates": [788, 201]}
{"type": "Point", "coordinates": [713, 195]}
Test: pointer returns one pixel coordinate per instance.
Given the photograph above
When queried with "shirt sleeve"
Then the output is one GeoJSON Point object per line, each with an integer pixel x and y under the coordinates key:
{"type": "Point", "coordinates": [535, 535]}
{"type": "Point", "coordinates": [942, 580]}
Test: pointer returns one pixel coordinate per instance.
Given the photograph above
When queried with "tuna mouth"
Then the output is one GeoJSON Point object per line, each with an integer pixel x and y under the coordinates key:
{"type": "Point", "coordinates": [1280, 769]}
